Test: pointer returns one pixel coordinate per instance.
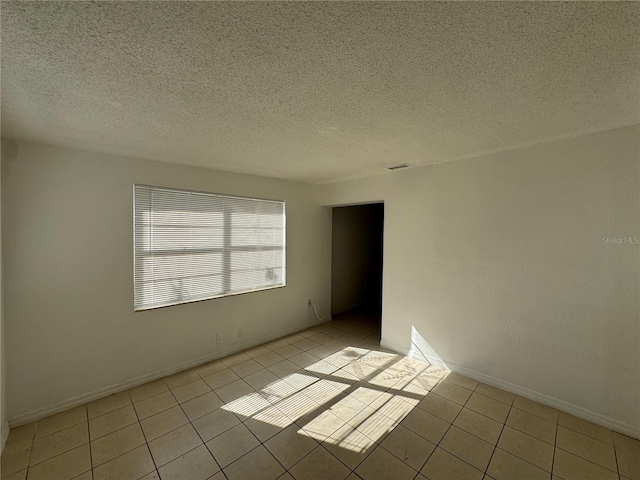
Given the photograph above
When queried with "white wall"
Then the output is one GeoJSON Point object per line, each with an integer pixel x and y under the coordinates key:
{"type": "Point", "coordinates": [70, 326]}
{"type": "Point", "coordinates": [498, 263]}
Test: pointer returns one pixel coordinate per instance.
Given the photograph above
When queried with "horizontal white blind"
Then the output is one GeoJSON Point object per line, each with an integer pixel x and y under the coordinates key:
{"type": "Point", "coordinates": [191, 246]}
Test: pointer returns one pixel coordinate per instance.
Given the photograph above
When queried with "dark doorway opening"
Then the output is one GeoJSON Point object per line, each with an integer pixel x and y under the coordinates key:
{"type": "Point", "coordinates": [356, 262]}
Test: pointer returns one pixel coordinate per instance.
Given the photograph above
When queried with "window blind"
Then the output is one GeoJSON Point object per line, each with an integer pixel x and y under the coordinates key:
{"type": "Point", "coordinates": [191, 246]}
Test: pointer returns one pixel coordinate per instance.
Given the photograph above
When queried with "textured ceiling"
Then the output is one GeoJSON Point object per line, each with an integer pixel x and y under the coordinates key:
{"type": "Point", "coordinates": [315, 91]}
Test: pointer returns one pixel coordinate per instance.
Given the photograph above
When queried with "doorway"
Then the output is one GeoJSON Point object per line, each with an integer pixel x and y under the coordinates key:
{"type": "Point", "coordinates": [356, 262]}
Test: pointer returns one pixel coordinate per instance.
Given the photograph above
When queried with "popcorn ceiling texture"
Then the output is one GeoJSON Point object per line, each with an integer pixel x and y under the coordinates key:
{"type": "Point", "coordinates": [316, 91]}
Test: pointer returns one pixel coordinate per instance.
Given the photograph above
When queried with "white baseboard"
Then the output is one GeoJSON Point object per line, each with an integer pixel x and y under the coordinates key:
{"type": "Point", "coordinates": [42, 412]}
{"type": "Point", "coordinates": [5, 435]}
{"type": "Point", "coordinates": [553, 402]}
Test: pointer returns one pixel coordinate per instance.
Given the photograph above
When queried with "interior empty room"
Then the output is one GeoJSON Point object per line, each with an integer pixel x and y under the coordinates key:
{"type": "Point", "coordinates": [320, 240]}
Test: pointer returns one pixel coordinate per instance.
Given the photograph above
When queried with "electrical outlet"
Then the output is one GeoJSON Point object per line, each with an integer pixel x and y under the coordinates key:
{"type": "Point", "coordinates": [219, 337]}
{"type": "Point", "coordinates": [240, 331]}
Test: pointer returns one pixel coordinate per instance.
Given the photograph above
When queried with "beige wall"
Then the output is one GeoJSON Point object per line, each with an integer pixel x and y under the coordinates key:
{"type": "Point", "coordinates": [70, 326]}
{"type": "Point", "coordinates": [497, 266]}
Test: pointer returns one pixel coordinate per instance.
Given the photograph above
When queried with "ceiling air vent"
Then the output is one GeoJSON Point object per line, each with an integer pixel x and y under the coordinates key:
{"type": "Point", "coordinates": [399, 166]}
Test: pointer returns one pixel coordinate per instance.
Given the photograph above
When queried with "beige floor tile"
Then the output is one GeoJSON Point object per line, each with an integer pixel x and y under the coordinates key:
{"type": "Point", "coordinates": [115, 444]}
{"type": "Point", "coordinates": [444, 466]}
{"type": "Point", "coordinates": [537, 409]}
{"type": "Point", "coordinates": [234, 391]}
{"type": "Point", "coordinates": [108, 404]}
{"type": "Point", "coordinates": [622, 442]}
{"type": "Point", "coordinates": [479, 425]}
{"type": "Point", "coordinates": [227, 447]}
{"type": "Point", "coordinates": [276, 344]}
{"type": "Point", "coordinates": [362, 391]}
{"type": "Point", "coordinates": [248, 405]}
{"type": "Point", "coordinates": [256, 351]}
{"type": "Point", "coordinates": [460, 380]}
{"type": "Point", "coordinates": [150, 476]}
{"type": "Point", "coordinates": [570, 467]}
{"type": "Point", "coordinates": [269, 358]}
{"type": "Point", "coordinates": [221, 378]}
{"type": "Point", "coordinates": [290, 445]}
{"type": "Point", "coordinates": [235, 359]}
{"type": "Point", "coordinates": [495, 393]}
{"type": "Point", "coordinates": [197, 464]}
{"type": "Point", "coordinates": [305, 344]}
{"type": "Point", "coordinates": [322, 338]}
{"type": "Point", "coordinates": [409, 447]}
{"type": "Point", "coordinates": [60, 421]}
{"type": "Point", "coordinates": [15, 457]}
{"type": "Point", "coordinates": [284, 368]}
{"type": "Point", "coordinates": [288, 351]}
{"type": "Point", "coordinates": [258, 464]}
{"type": "Point", "coordinates": [190, 391]}
{"type": "Point", "coordinates": [319, 465]}
{"type": "Point", "coordinates": [153, 405]}
{"type": "Point", "coordinates": [629, 464]}
{"type": "Point", "coordinates": [63, 467]}
{"type": "Point", "coordinates": [586, 428]}
{"type": "Point", "coordinates": [304, 359]}
{"type": "Point", "coordinates": [527, 448]}
{"type": "Point", "coordinates": [22, 475]}
{"type": "Point", "coordinates": [426, 425]}
{"type": "Point", "coordinates": [296, 337]}
{"type": "Point", "coordinates": [286, 476]}
{"type": "Point", "coordinates": [488, 407]}
{"type": "Point", "coordinates": [586, 447]}
{"type": "Point", "coordinates": [112, 421]}
{"type": "Point", "coordinates": [210, 368]}
{"type": "Point", "coordinates": [147, 390]}
{"type": "Point", "coordinates": [452, 392]}
{"type": "Point", "coordinates": [505, 466]}
{"type": "Point", "coordinates": [218, 476]}
{"type": "Point", "coordinates": [422, 384]}
{"type": "Point", "coordinates": [164, 422]}
{"type": "Point", "coordinates": [21, 434]}
{"type": "Point", "coordinates": [320, 426]}
{"type": "Point", "coordinates": [467, 447]}
{"type": "Point", "coordinates": [267, 423]}
{"type": "Point", "coordinates": [86, 476]}
{"type": "Point", "coordinates": [182, 378]}
{"type": "Point", "coordinates": [214, 423]}
{"type": "Point", "coordinates": [530, 424]}
{"type": "Point", "coordinates": [321, 351]}
{"type": "Point", "coordinates": [261, 379]}
{"type": "Point", "coordinates": [348, 407]}
{"type": "Point", "coordinates": [62, 441]}
{"type": "Point", "coordinates": [377, 426]}
{"type": "Point", "coordinates": [381, 465]}
{"type": "Point", "coordinates": [349, 445]}
{"type": "Point", "coordinates": [246, 368]}
{"type": "Point", "coordinates": [322, 369]}
{"type": "Point", "coordinates": [131, 466]}
{"type": "Point", "coordinates": [200, 406]}
{"type": "Point", "coordinates": [297, 406]}
{"type": "Point", "coordinates": [171, 445]}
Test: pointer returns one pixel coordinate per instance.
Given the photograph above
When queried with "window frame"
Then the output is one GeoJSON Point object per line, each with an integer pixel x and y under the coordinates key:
{"type": "Point", "coordinates": [224, 249]}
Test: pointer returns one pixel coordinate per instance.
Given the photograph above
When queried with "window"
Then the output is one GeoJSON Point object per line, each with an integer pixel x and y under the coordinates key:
{"type": "Point", "coordinates": [191, 246]}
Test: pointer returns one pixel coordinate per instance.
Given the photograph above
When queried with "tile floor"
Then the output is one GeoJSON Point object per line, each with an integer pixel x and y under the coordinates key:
{"type": "Point", "coordinates": [326, 403]}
